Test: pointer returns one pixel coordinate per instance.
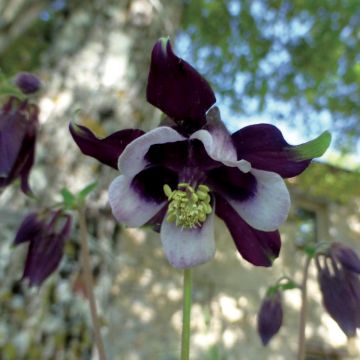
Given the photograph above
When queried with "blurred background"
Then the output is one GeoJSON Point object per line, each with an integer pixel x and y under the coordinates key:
{"type": "Point", "coordinates": [292, 63]}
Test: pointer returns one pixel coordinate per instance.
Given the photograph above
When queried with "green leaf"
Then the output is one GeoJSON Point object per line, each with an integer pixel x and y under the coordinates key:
{"type": "Point", "coordinates": [314, 148]}
{"type": "Point", "coordinates": [86, 191]}
{"type": "Point", "coordinates": [289, 285]}
{"type": "Point", "coordinates": [10, 90]}
{"type": "Point", "coordinates": [69, 198]}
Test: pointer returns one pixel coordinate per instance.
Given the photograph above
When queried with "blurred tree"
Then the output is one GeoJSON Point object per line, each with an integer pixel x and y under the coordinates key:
{"type": "Point", "coordinates": [294, 59]}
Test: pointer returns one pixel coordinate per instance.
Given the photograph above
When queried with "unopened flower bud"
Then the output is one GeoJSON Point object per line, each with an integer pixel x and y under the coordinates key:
{"type": "Point", "coordinates": [270, 317]}
{"type": "Point", "coordinates": [27, 83]}
{"type": "Point", "coordinates": [340, 290]}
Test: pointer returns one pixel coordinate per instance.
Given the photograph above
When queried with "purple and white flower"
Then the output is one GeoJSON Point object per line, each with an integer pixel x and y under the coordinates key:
{"type": "Point", "coordinates": [178, 176]}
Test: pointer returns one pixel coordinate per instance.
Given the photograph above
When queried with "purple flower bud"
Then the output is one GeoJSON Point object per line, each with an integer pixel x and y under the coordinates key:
{"type": "Point", "coordinates": [46, 234]}
{"type": "Point", "coordinates": [270, 317]}
{"type": "Point", "coordinates": [346, 256]}
{"type": "Point", "coordinates": [18, 130]}
{"type": "Point", "coordinates": [27, 83]}
{"type": "Point", "coordinates": [340, 290]}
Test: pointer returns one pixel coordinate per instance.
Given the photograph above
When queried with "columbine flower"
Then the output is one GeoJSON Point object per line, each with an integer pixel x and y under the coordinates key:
{"type": "Point", "coordinates": [46, 233]}
{"type": "Point", "coordinates": [338, 271]}
{"type": "Point", "coordinates": [18, 130]}
{"type": "Point", "coordinates": [270, 317]}
{"type": "Point", "coordinates": [177, 177]}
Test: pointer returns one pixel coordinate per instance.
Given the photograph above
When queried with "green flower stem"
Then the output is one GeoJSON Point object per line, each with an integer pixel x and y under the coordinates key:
{"type": "Point", "coordinates": [185, 337]}
{"type": "Point", "coordinates": [301, 341]}
{"type": "Point", "coordinates": [89, 283]}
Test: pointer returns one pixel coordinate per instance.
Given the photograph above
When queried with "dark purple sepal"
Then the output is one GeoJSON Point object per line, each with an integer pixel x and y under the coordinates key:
{"type": "Point", "coordinates": [46, 250]}
{"type": "Point", "coordinates": [12, 132]}
{"type": "Point", "coordinates": [177, 89]}
{"type": "Point", "coordinates": [270, 317]}
{"type": "Point", "coordinates": [30, 227]}
{"type": "Point", "coordinates": [346, 256]}
{"type": "Point", "coordinates": [264, 146]}
{"type": "Point", "coordinates": [18, 129]}
{"type": "Point", "coordinates": [260, 248]}
{"type": "Point", "coordinates": [106, 150]}
{"type": "Point", "coordinates": [27, 83]}
{"type": "Point", "coordinates": [340, 290]}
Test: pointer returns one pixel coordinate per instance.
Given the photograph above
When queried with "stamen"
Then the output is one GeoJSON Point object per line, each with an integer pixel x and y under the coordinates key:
{"type": "Point", "coordinates": [188, 207]}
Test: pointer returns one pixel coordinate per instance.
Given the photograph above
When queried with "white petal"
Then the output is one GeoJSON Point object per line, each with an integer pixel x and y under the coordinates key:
{"type": "Point", "coordinates": [219, 147]}
{"type": "Point", "coordinates": [131, 161]}
{"type": "Point", "coordinates": [270, 205]}
{"type": "Point", "coordinates": [128, 206]}
{"type": "Point", "coordinates": [186, 248]}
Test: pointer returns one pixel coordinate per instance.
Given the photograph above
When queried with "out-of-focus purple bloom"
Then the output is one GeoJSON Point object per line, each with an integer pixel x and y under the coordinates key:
{"type": "Point", "coordinates": [27, 83]}
{"type": "Point", "coordinates": [340, 287]}
{"type": "Point", "coordinates": [46, 233]}
{"type": "Point", "coordinates": [177, 177]}
{"type": "Point", "coordinates": [270, 317]}
{"type": "Point", "coordinates": [347, 257]}
{"type": "Point", "coordinates": [18, 131]}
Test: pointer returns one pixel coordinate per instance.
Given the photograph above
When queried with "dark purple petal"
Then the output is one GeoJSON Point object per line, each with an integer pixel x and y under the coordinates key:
{"type": "Point", "coordinates": [149, 183]}
{"type": "Point", "coordinates": [346, 256]}
{"type": "Point", "coordinates": [260, 248]}
{"type": "Point", "coordinates": [30, 227]}
{"type": "Point", "coordinates": [105, 150]}
{"type": "Point", "coordinates": [341, 296]}
{"type": "Point", "coordinates": [181, 154]}
{"type": "Point", "coordinates": [264, 146]}
{"type": "Point", "coordinates": [232, 182]}
{"type": "Point", "coordinates": [270, 317]}
{"type": "Point", "coordinates": [13, 128]}
{"type": "Point", "coordinates": [177, 89]}
{"type": "Point", "coordinates": [29, 159]}
{"type": "Point", "coordinates": [27, 83]}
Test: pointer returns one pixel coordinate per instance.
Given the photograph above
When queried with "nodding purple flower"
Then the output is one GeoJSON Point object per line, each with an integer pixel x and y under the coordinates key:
{"type": "Point", "coordinates": [177, 176]}
{"type": "Point", "coordinates": [27, 83]}
{"type": "Point", "coordinates": [46, 233]}
{"type": "Point", "coordinates": [340, 286]}
{"type": "Point", "coordinates": [270, 317]}
{"type": "Point", "coordinates": [18, 131]}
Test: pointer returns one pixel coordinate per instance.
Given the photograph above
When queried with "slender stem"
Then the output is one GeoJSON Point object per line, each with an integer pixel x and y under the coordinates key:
{"type": "Point", "coordinates": [301, 341]}
{"type": "Point", "coordinates": [185, 337]}
{"type": "Point", "coordinates": [89, 283]}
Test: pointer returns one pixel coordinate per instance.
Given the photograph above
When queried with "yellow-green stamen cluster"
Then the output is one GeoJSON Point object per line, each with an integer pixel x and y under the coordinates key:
{"type": "Point", "coordinates": [188, 207]}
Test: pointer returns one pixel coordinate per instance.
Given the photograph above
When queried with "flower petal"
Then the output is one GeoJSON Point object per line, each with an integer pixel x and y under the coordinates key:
{"type": "Point", "coordinates": [218, 143]}
{"type": "Point", "coordinates": [177, 89]}
{"type": "Point", "coordinates": [128, 206]}
{"type": "Point", "coordinates": [260, 248]}
{"type": "Point", "coordinates": [12, 132]}
{"type": "Point", "coordinates": [44, 256]}
{"type": "Point", "coordinates": [232, 183]}
{"type": "Point", "coordinates": [185, 248]}
{"type": "Point", "coordinates": [30, 227]}
{"type": "Point", "coordinates": [180, 155]}
{"type": "Point", "coordinates": [133, 159]}
{"type": "Point", "coordinates": [264, 146]}
{"type": "Point", "coordinates": [105, 150]}
{"type": "Point", "coordinates": [269, 206]}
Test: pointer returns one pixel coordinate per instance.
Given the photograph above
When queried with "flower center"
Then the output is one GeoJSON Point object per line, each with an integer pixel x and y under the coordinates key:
{"type": "Point", "coordinates": [188, 207]}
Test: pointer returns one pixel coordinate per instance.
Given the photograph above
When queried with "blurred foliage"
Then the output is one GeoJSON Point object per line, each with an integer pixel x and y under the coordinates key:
{"type": "Point", "coordinates": [329, 183]}
{"type": "Point", "coordinates": [294, 59]}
